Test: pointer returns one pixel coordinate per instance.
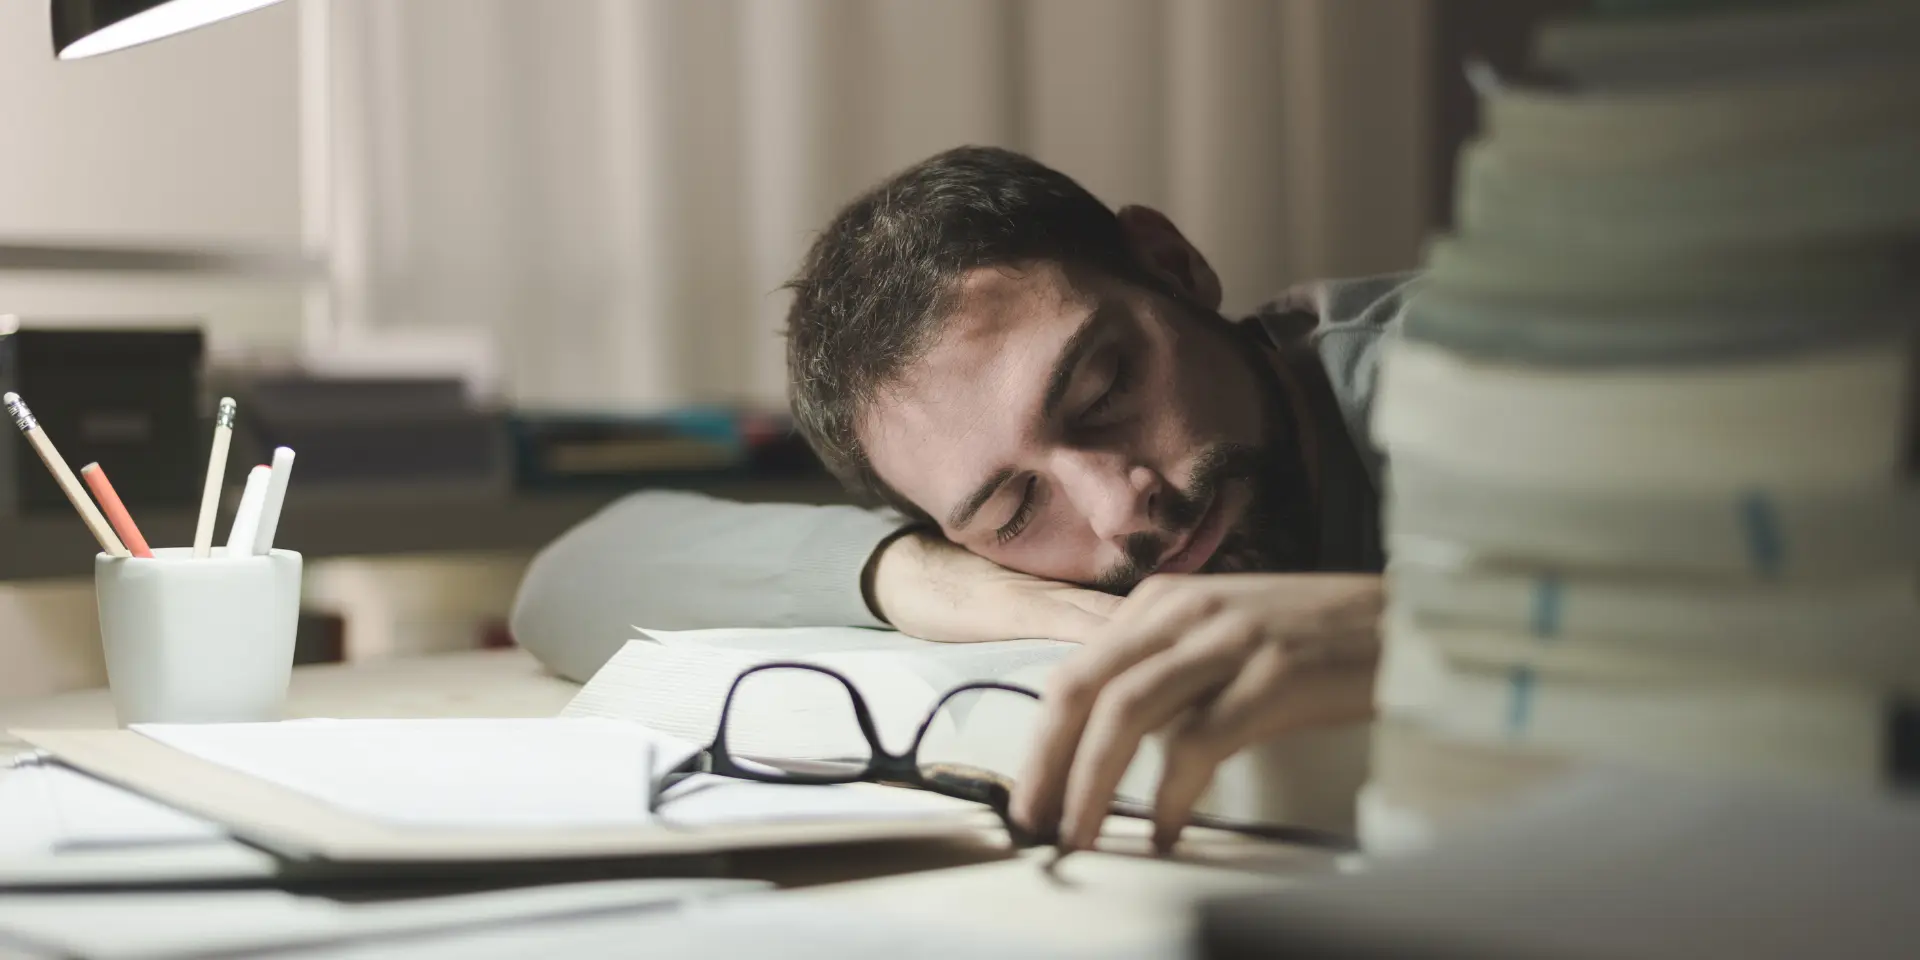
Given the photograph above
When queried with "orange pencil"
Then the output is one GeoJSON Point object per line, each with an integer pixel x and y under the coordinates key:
{"type": "Point", "coordinates": [115, 510]}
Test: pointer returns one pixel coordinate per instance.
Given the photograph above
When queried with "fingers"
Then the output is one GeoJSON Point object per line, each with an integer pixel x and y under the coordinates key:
{"type": "Point", "coordinates": [1139, 673]}
{"type": "Point", "coordinates": [1268, 701]}
{"type": "Point", "coordinates": [1144, 699]}
{"type": "Point", "coordinates": [1212, 733]}
{"type": "Point", "coordinates": [1186, 771]}
{"type": "Point", "coordinates": [1036, 803]}
{"type": "Point", "coordinates": [1270, 697]}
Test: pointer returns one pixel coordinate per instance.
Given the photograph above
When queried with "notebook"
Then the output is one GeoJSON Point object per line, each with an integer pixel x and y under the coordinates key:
{"type": "Point", "coordinates": [467, 791]}
{"type": "Point", "coordinates": [677, 681]}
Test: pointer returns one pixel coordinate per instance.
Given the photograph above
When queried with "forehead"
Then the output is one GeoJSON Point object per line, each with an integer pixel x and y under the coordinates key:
{"type": "Point", "coordinates": [969, 400]}
{"type": "Point", "coordinates": [996, 311]}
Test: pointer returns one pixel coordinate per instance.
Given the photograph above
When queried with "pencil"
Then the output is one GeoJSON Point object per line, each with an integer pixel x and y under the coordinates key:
{"type": "Point", "coordinates": [63, 475]}
{"type": "Point", "coordinates": [216, 478]}
{"type": "Point", "coordinates": [116, 511]}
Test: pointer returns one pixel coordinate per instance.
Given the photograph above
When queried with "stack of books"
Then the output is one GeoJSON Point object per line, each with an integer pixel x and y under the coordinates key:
{"type": "Point", "coordinates": [1654, 493]}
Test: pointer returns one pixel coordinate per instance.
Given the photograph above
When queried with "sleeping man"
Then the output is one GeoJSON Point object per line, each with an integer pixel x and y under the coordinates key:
{"type": "Point", "coordinates": [1067, 431]}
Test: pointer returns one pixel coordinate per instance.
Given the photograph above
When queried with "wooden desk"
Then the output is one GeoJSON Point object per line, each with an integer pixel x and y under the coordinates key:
{"type": "Point", "coordinates": [1119, 896]}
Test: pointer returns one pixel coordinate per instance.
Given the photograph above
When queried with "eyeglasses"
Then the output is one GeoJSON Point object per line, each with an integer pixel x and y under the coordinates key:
{"type": "Point", "coordinates": [802, 723]}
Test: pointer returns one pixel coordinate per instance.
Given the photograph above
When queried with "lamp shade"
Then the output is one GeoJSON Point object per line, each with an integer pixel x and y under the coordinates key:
{"type": "Point", "coordinates": [84, 28]}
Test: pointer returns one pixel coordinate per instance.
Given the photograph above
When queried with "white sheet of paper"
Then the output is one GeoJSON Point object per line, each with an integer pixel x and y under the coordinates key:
{"type": "Point", "coordinates": [781, 926]}
{"type": "Point", "coordinates": [46, 809]}
{"type": "Point", "coordinates": [454, 774]}
{"type": "Point", "coordinates": [676, 681]}
{"type": "Point", "coordinates": [171, 924]}
{"type": "Point", "coordinates": [705, 800]}
{"type": "Point", "coordinates": [942, 665]}
{"type": "Point", "coordinates": [211, 861]}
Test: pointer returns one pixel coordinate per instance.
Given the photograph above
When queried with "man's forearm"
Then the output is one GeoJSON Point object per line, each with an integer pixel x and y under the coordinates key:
{"type": "Point", "coordinates": [684, 561]}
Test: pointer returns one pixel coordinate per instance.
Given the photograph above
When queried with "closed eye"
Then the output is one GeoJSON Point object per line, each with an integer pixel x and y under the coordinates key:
{"type": "Point", "coordinates": [1116, 389]}
{"type": "Point", "coordinates": [1022, 515]}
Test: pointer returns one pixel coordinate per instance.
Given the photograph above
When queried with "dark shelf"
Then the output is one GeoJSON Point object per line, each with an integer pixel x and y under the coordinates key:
{"type": "Point", "coordinates": [373, 523]}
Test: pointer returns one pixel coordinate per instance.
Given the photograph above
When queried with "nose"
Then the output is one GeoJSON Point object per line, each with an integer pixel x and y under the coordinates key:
{"type": "Point", "coordinates": [1117, 497]}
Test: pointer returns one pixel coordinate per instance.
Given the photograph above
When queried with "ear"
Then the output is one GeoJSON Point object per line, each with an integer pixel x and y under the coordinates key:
{"type": "Point", "coordinates": [1164, 250]}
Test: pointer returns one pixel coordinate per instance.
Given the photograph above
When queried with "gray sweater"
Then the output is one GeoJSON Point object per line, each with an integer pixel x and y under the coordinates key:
{"type": "Point", "coordinates": [683, 561]}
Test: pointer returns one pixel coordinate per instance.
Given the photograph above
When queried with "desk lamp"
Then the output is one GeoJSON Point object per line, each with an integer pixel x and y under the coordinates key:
{"type": "Point", "coordinates": [84, 28]}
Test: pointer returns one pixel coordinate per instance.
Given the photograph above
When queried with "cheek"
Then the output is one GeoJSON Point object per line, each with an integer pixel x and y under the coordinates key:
{"type": "Point", "coordinates": [1060, 548]}
{"type": "Point", "coordinates": [1201, 404]}
{"type": "Point", "coordinates": [1179, 413]}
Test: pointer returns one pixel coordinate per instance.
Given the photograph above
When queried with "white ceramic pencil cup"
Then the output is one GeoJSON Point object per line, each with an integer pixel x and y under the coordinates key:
{"type": "Point", "coordinates": [198, 640]}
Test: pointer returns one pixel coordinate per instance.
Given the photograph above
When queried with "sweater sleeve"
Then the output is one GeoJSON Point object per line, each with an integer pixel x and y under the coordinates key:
{"type": "Point", "coordinates": [683, 561]}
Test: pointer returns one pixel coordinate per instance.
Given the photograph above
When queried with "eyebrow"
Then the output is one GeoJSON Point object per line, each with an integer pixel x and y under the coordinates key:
{"type": "Point", "coordinates": [963, 514]}
{"type": "Point", "coordinates": [1057, 383]}
{"type": "Point", "coordinates": [1063, 369]}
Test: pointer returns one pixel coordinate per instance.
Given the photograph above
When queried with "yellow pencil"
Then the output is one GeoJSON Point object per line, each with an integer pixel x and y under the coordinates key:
{"type": "Point", "coordinates": [62, 474]}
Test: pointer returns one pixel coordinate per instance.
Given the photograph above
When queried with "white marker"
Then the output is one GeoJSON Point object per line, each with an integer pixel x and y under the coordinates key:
{"type": "Point", "coordinates": [246, 520]}
{"type": "Point", "coordinates": [216, 479]}
{"type": "Point", "coordinates": [276, 498]}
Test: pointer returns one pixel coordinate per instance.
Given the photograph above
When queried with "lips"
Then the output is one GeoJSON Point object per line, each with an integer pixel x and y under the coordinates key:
{"type": "Point", "coordinates": [1193, 551]}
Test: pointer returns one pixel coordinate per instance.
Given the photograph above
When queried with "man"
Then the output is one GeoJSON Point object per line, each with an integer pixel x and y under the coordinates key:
{"type": "Point", "coordinates": [1046, 394]}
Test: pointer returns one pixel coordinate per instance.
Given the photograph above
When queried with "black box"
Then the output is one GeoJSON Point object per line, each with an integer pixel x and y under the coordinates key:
{"type": "Point", "coordinates": [356, 435]}
{"type": "Point", "coordinates": [128, 399]}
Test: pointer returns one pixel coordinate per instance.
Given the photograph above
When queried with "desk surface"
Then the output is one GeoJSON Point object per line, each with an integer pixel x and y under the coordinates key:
{"type": "Point", "coordinates": [478, 683]}
{"type": "Point", "coordinates": [1121, 895]}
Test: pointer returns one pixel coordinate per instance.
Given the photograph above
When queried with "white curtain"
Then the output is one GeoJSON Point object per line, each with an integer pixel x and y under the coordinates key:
{"type": "Point", "coordinates": [610, 192]}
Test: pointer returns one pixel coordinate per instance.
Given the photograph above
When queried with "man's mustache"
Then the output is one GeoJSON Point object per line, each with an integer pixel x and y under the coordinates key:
{"type": "Point", "coordinates": [1180, 512]}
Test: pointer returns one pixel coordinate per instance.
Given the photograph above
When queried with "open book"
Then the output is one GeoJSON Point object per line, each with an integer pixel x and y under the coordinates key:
{"type": "Point", "coordinates": [676, 682]}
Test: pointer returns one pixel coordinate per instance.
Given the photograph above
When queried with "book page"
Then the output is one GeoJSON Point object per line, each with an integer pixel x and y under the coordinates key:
{"type": "Point", "coordinates": [681, 690]}
{"type": "Point", "coordinates": [706, 800]}
{"type": "Point", "coordinates": [677, 682]}
{"type": "Point", "coordinates": [941, 665]}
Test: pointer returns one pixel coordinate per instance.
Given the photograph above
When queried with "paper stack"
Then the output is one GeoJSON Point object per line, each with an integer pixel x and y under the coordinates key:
{"type": "Point", "coordinates": [1654, 492]}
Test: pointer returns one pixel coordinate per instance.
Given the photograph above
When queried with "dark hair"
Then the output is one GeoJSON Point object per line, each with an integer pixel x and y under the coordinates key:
{"type": "Point", "coordinates": [876, 284]}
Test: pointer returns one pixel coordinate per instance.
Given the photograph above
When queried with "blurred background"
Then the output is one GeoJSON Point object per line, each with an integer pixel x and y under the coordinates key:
{"type": "Point", "coordinates": [496, 261]}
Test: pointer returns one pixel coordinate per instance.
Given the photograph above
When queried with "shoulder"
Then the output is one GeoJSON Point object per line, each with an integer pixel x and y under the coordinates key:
{"type": "Point", "coordinates": [1343, 323]}
{"type": "Point", "coordinates": [1340, 320]}
{"type": "Point", "coordinates": [1363, 306]}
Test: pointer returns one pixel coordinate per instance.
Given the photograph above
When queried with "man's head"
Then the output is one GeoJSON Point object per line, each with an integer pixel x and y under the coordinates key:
{"type": "Point", "coordinates": [982, 343]}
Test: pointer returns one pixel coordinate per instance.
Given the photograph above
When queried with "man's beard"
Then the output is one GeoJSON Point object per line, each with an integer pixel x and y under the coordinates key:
{"type": "Point", "coordinates": [1277, 531]}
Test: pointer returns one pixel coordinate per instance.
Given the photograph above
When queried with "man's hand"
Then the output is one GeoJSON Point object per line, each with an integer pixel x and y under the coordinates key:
{"type": "Point", "coordinates": [931, 589]}
{"type": "Point", "coordinates": [1219, 662]}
